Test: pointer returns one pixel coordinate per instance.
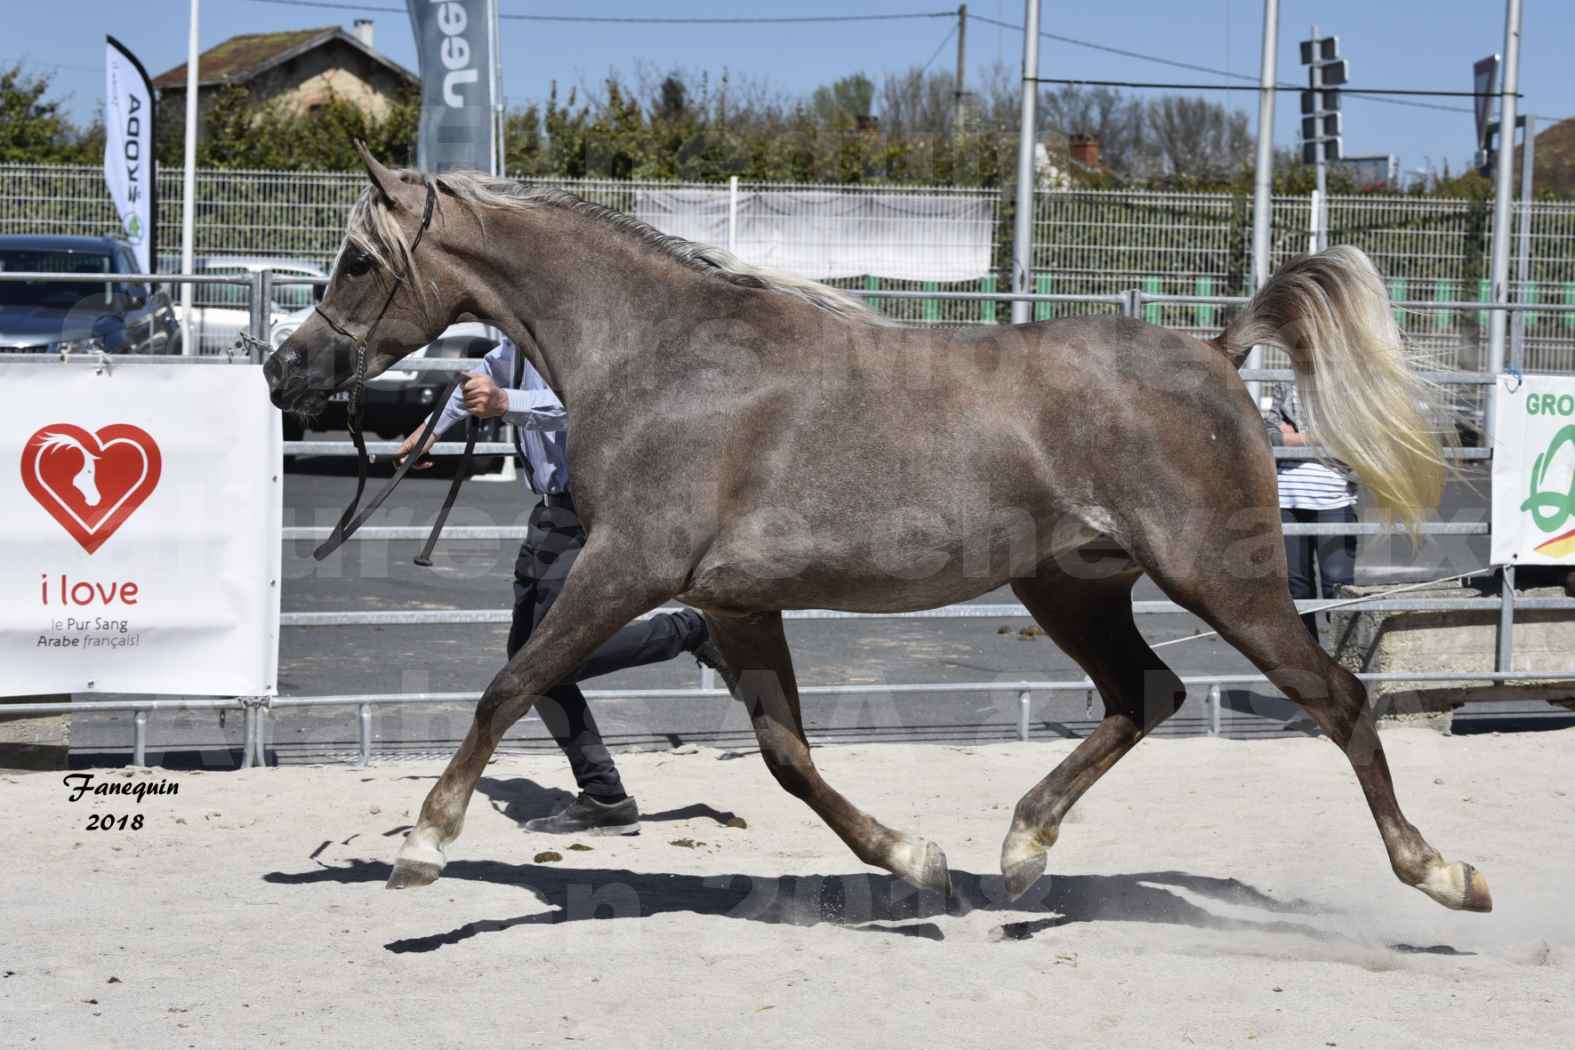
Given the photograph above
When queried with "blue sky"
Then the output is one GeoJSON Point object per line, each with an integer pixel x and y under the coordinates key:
{"type": "Point", "coordinates": [1390, 45]}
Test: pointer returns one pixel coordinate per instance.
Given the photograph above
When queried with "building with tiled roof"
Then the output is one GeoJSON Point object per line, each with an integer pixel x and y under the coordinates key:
{"type": "Point", "coordinates": [299, 68]}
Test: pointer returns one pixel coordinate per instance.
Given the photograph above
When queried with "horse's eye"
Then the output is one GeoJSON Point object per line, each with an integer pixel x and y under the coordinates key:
{"type": "Point", "coordinates": [357, 263]}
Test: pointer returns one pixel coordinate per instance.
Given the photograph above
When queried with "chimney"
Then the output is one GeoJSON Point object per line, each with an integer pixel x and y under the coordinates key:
{"type": "Point", "coordinates": [363, 31]}
{"type": "Point", "coordinates": [1084, 150]}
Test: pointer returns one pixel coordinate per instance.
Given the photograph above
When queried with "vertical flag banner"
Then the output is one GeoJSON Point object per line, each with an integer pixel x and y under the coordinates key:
{"type": "Point", "coordinates": [128, 149]}
{"type": "Point", "coordinates": [456, 51]}
{"type": "Point", "coordinates": [1534, 470]}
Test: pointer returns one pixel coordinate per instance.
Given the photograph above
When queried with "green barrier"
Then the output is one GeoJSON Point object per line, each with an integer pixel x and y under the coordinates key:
{"type": "Point", "coordinates": [987, 307]}
{"type": "Point", "coordinates": [1528, 294]}
{"type": "Point", "coordinates": [1484, 295]}
{"type": "Point", "coordinates": [1443, 292]}
{"type": "Point", "coordinates": [1206, 312]}
{"type": "Point", "coordinates": [1042, 311]}
{"type": "Point", "coordinates": [1397, 292]}
{"type": "Point", "coordinates": [1154, 311]}
{"type": "Point", "coordinates": [1569, 300]}
{"type": "Point", "coordinates": [872, 284]}
{"type": "Point", "coordinates": [932, 307]}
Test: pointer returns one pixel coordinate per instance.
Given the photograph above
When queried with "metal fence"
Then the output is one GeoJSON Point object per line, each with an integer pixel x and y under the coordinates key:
{"type": "Point", "coordinates": [1134, 303]}
{"type": "Point", "coordinates": [1086, 243]}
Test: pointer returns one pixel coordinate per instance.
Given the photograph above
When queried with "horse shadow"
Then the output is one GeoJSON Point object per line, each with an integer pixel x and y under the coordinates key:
{"type": "Point", "coordinates": [861, 902]}
{"type": "Point", "coordinates": [521, 799]}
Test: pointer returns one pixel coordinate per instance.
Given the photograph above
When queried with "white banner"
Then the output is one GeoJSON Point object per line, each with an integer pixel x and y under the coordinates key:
{"type": "Point", "coordinates": [128, 148]}
{"type": "Point", "coordinates": [140, 516]}
{"type": "Point", "coordinates": [1534, 470]}
{"type": "Point", "coordinates": [825, 234]}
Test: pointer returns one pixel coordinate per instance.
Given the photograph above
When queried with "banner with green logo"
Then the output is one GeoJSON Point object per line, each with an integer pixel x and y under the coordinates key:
{"type": "Point", "coordinates": [128, 149]}
{"type": "Point", "coordinates": [1534, 470]}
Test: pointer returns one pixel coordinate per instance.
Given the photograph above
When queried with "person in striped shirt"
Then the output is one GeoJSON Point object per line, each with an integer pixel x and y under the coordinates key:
{"type": "Point", "coordinates": [1311, 491]}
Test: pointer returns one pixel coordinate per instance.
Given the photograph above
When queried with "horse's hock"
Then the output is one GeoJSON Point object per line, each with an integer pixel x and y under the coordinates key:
{"type": "Point", "coordinates": [34, 741]}
{"type": "Point", "coordinates": [1454, 640]}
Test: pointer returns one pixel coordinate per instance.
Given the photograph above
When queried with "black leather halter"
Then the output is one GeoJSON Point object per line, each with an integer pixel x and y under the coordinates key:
{"type": "Point", "coordinates": [351, 519]}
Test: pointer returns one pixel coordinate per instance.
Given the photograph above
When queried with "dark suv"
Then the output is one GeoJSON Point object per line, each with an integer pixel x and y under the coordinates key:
{"type": "Point", "coordinates": [119, 317]}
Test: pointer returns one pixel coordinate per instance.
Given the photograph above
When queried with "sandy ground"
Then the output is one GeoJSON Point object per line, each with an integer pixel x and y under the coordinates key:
{"type": "Point", "coordinates": [1208, 893]}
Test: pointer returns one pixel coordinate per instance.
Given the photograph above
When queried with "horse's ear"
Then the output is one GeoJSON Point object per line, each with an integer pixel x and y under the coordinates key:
{"type": "Point", "coordinates": [392, 188]}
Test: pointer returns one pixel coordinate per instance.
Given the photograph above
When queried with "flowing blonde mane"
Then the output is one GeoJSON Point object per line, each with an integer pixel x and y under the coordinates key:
{"type": "Point", "coordinates": [374, 230]}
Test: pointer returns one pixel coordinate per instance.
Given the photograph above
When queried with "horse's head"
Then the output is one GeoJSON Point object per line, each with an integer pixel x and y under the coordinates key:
{"type": "Point", "coordinates": [373, 295]}
{"type": "Point", "coordinates": [85, 481]}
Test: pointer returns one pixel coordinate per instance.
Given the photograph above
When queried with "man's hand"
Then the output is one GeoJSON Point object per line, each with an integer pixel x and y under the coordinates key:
{"type": "Point", "coordinates": [483, 397]}
{"type": "Point", "coordinates": [409, 448]}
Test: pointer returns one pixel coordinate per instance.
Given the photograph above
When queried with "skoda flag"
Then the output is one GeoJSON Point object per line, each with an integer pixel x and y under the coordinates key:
{"type": "Point", "coordinates": [456, 44]}
{"type": "Point", "coordinates": [128, 147]}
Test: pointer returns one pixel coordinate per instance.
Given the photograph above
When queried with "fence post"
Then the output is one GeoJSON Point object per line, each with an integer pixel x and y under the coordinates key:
{"type": "Point", "coordinates": [732, 214]}
{"type": "Point", "coordinates": [1214, 709]}
{"type": "Point", "coordinates": [1506, 621]}
{"type": "Point", "coordinates": [139, 740]}
{"type": "Point", "coordinates": [248, 731]}
{"type": "Point", "coordinates": [1024, 701]}
{"type": "Point", "coordinates": [364, 730]}
{"type": "Point", "coordinates": [261, 306]}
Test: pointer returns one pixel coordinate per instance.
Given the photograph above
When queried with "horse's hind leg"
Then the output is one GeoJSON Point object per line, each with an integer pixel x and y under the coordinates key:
{"type": "Point", "coordinates": [1091, 620]}
{"type": "Point", "coordinates": [1255, 614]}
{"type": "Point", "coordinates": [597, 599]}
{"type": "Point", "coordinates": [757, 654]}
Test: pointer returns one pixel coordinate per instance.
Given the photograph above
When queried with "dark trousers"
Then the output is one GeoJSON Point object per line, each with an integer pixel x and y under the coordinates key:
{"type": "Point", "coordinates": [1334, 556]}
{"type": "Point", "coordinates": [552, 542]}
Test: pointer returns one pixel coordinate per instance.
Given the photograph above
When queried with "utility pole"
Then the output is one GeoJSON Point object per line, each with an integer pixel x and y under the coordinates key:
{"type": "Point", "coordinates": [962, 54]}
{"type": "Point", "coordinates": [1023, 227]}
{"type": "Point", "coordinates": [1502, 185]}
{"type": "Point", "coordinates": [188, 186]}
{"type": "Point", "coordinates": [1528, 159]}
{"type": "Point", "coordinates": [1263, 179]}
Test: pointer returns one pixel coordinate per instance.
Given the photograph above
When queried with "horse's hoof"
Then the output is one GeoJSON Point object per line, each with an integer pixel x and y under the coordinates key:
{"type": "Point", "coordinates": [1459, 887]}
{"type": "Point", "coordinates": [1021, 874]}
{"type": "Point", "coordinates": [923, 864]}
{"type": "Point", "coordinates": [1023, 857]}
{"type": "Point", "coordinates": [408, 873]}
{"type": "Point", "coordinates": [415, 866]}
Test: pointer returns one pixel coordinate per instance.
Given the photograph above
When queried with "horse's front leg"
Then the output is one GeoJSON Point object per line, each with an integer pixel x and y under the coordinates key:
{"type": "Point", "coordinates": [599, 596]}
{"type": "Point", "coordinates": [760, 675]}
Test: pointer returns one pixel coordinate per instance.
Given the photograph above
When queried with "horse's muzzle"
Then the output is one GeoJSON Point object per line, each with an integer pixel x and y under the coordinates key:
{"type": "Point", "coordinates": [285, 374]}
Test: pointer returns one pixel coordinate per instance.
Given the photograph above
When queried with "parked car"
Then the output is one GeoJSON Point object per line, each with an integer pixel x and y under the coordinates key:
{"type": "Point", "coordinates": [220, 312]}
{"type": "Point", "coordinates": [119, 317]}
{"type": "Point", "coordinates": [399, 400]}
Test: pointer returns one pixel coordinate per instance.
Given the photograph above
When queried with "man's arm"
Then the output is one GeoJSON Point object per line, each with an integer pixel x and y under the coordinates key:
{"type": "Point", "coordinates": [489, 394]}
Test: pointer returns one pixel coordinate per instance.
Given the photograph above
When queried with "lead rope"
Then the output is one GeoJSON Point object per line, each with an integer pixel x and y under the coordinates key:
{"type": "Point", "coordinates": [354, 517]}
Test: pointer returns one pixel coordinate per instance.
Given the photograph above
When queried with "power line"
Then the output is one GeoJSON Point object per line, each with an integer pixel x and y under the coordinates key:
{"type": "Point", "coordinates": [1251, 87]}
{"type": "Point", "coordinates": [1209, 69]}
{"type": "Point", "coordinates": [638, 20]}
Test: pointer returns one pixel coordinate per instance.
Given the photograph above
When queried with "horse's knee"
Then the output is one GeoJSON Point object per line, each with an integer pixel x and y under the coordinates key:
{"type": "Point", "coordinates": [1164, 693]}
{"type": "Point", "coordinates": [791, 770]}
{"type": "Point", "coordinates": [503, 702]}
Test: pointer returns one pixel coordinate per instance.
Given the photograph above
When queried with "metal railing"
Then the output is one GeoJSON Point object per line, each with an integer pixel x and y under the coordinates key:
{"type": "Point", "coordinates": [1134, 303]}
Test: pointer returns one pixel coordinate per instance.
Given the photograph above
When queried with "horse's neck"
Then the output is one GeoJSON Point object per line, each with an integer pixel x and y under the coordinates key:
{"type": "Point", "coordinates": [586, 297]}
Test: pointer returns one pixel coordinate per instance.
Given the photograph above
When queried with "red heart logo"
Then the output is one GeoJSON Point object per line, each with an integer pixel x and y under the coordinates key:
{"type": "Point", "coordinates": [90, 483]}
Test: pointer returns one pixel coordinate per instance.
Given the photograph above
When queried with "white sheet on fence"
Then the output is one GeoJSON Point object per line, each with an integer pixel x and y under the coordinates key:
{"type": "Point", "coordinates": [827, 233]}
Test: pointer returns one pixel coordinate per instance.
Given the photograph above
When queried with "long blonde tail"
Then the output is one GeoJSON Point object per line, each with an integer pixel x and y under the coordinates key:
{"type": "Point", "coordinates": [1362, 400]}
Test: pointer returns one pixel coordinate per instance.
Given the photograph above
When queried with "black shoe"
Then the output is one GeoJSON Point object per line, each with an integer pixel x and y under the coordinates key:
{"type": "Point", "coordinates": [586, 816]}
{"type": "Point", "coordinates": [709, 654]}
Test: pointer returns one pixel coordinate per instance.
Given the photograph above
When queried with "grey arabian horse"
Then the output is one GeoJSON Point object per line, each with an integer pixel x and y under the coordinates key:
{"type": "Point", "coordinates": [748, 442]}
